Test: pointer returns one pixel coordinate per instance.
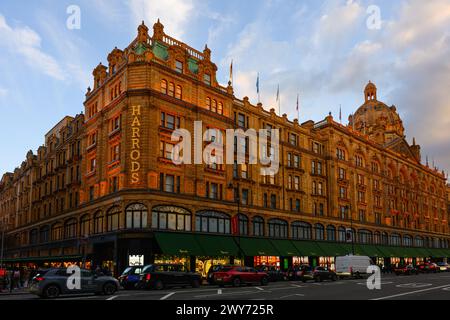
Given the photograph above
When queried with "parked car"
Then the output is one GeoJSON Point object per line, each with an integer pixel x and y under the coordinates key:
{"type": "Point", "coordinates": [428, 267]}
{"type": "Point", "coordinates": [406, 270]}
{"type": "Point", "coordinates": [352, 266]}
{"type": "Point", "coordinates": [160, 276]}
{"type": "Point", "coordinates": [317, 274]}
{"type": "Point", "coordinates": [130, 277]}
{"type": "Point", "coordinates": [236, 276]}
{"type": "Point", "coordinates": [294, 272]}
{"type": "Point", "coordinates": [273, 272]}
{"type": "Point", "coordinates": [211, 271]}
{"type": "Point", "coordinates": [443, 267]}
{"type": "Point", "coordinates": [52, 283]}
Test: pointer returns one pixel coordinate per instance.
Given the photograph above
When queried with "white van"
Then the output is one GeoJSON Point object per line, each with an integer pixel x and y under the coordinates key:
{"type": "Point", "coordinates": [352, 266]}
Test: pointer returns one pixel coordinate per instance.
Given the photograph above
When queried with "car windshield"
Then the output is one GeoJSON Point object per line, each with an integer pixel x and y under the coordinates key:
{"type": "Point", "coordinates": [226, 269]}
{"type": "Point", "coordinates": [127, 270]}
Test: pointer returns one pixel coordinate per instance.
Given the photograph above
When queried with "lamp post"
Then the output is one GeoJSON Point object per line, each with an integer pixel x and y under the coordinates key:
{"type": "Point", "coordinates": [349, 213]}
{"type": "Point", "coordinates": [237, 196]}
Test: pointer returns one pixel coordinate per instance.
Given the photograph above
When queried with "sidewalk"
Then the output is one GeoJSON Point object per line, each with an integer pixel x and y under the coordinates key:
{"type": "Point", "coordinates": [14, 292]}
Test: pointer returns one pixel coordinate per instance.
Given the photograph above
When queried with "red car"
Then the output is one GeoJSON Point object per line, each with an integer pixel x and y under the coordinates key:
{"type": "Point", "coordinates": [406, 270]}
{"type": "Point", "coordinates": [428, 267]}
{"type": "Point", "coordinates": [236, 276]}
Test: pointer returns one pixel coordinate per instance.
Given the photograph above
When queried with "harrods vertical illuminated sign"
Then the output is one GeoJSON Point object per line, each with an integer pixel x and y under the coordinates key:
{"type": "Point", "coordinates": [135, 153]}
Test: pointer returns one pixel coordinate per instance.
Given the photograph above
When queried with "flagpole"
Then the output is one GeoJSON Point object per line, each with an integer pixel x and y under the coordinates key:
{"type": "Point", "coordinates": [298, 106]}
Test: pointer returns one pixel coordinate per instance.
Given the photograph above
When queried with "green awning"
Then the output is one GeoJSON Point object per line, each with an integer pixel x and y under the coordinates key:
{"type": "Point", "coordinates": [388, 252]}
{"type": "Point", "coordinates": [370, 251]}
{"type": "Point", "coordinates": [285, 247]}
{"type": "Point", "coordinates": [258, 247]}
{"type": "Point", "coordinates": [423, 253]}
{"type": "Point", "coordinates": [332, 249]}
{"type": "Point", "coordinates": [309, 248]}
{"type": "Point", "coordinates": [178, 244]}
{"type": "Point", "coordinates": [44, 259]}
{"type": "Point", "coordinates": [218, 246]}
{"type": "Point", "coordinates": [438, 253]}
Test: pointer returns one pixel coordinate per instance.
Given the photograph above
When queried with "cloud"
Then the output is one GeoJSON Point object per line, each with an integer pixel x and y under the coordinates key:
{"type": "Point", "coordinates": [27, 43]}
{"type": "Point", "coordinates": [3, 92]}
{"type": "Point", "coordinates": [174, 14]}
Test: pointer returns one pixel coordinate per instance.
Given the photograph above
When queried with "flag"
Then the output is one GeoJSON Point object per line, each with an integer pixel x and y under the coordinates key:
{"type": "Point", "coordinates": [231, 72]}
{"type": "Point", "coordinates": [257, 84]}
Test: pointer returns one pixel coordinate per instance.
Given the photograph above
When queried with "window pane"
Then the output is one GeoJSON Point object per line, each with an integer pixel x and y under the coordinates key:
{"type": "Point", "coordinates": [172, 222]}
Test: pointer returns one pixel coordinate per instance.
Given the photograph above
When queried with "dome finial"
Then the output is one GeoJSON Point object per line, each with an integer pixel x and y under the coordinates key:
{"type": "Point", "coordinates": [370, 92]}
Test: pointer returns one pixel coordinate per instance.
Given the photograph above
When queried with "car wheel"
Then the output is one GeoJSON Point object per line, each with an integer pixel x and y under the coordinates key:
{"type": "Point", "coordinates": [236, 282]}
{"type": "Point", "coordinates": [52, 292]}
{"type": "Point", "coordinates": [195, 283]}
{"type": "Point", "coordinates": [109, 289]}
{"type": "Point", "coordinates": [159, 285]}
{"type": "Point", "coordinates": [264, 281]}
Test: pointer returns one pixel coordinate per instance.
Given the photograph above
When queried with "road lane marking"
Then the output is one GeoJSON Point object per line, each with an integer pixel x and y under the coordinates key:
{"type": "Point", "coordinates": [167, 296]}
{"type": "Point", "coordinates": [408, 293]}
{"type": "Point", "coordinates": [292, 295]}
{"type": "Point", "coordinates": [414, 285]}
{"type": "Point", "coordinates": [446, 289]}
{"type": "Point", "coordinates": [382, 283]}
{"type": "Point", "coordinates": [260, 289]}
{"type": "Point", "coordinates": [297, 286]}
{"type": "Point", "coordinates": [219, 291]}
{"type": "Point", "coordinates": [112, 298]}
{"type": "Point", "coordinates": [225, 294]}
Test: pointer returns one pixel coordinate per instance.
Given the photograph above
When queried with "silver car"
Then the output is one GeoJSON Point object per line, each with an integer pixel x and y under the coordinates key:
{"type": "Point", "coordinates": [52, 283]}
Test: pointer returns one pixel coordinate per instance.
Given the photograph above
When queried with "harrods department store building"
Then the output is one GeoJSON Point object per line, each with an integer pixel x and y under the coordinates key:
{"type": "Point", "coordinates": [103, 188]}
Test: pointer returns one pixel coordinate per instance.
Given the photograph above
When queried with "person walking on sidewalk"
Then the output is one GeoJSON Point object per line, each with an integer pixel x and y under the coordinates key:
{"type": "Point", "coordinates": [11, 280]}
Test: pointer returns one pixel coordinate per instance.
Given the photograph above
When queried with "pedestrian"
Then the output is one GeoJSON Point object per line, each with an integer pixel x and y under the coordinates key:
{"type": "Point", "coordinates": [11, 280]}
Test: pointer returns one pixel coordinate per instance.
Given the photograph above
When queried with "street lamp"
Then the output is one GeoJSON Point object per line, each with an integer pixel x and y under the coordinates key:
{"type": "Point", "coordinates": [237, 196]}
{"type": "Point", "coordinates": [348, 210]}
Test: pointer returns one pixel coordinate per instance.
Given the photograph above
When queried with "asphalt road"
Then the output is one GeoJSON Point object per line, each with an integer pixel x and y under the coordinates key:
{"type": "Point", "coordinates": [421, 287]}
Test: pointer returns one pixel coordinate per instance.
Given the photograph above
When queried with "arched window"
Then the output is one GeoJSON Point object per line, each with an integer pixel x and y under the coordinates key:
{"type": "Point", "coordinates": [57, 232]}
{"type": "Point", "coordinates": [258, 227]}
{"type": "Point", "coordinates": [214, 106]}
{"type": "Point", "coordinates": [171, 218]}
{"type": "Point", "coordinates": [377, 238]}
{"type": "Point", "coordinates": [70, 229]}
{"type": "Point", "coordinates": [85, 225]}
{"type": "Point", "coordinates": [208, 103]}
{"type": "Point", "coordinates": [98, 222]}
{"type": "Point", "coordinates": [342, 235]}
{"type": "Point", "coordinates": [220, 108]}
{"type": "Point", "coordinates": [112, 219]}
{"type": "Point", "coordinates": [407, 241]}
{"type": "Point", "coordinates": [243, 225]}
{"type": "Point", "coordinates": [212, 222]}
{"type": "Point", "coordinates": [331, 233]}
{"type": "Point", "coordinates": [396, 240]}
{"type": "Point", "coordinates": [179, 93]}
{"type": "Point", "coordinates": [384, 239]}
{"type": "Point", "coordinates": [278, 228]}
{"type": "Point", "coordinates": [171, 89]}
{"type": "Point", "coordinates": [301, 230]}
{"type": "Point", "coordinates": [44, 234]}
{"type": "Point", "coordinates": [34, 236]}
{"type": "Point", "coordinates": [364, 236]}
{"type": "Point", "coordinates": [164, 86]}
{"type": "Point", "coordinates": [136, 216]}
{"type": "Point", "coordinates": [320, 232]}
